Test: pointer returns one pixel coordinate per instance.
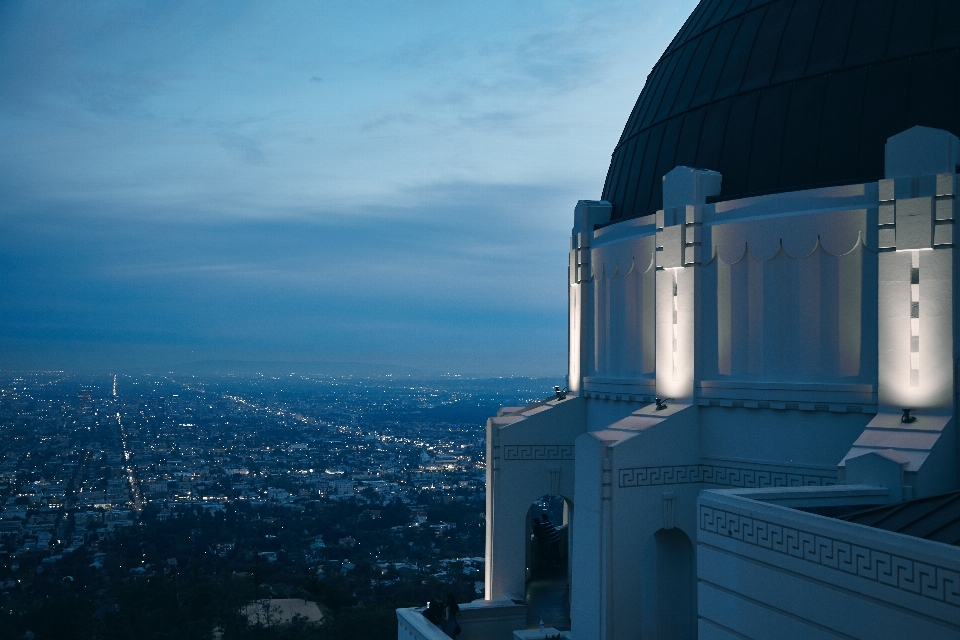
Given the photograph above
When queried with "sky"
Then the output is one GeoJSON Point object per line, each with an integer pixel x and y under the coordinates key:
{"type": "Point", "coordinates": [368, 182]}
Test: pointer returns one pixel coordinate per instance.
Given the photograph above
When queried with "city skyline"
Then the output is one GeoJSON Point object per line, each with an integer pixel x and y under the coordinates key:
{"type": "Point", "coordinates": [342, 490]}
{"type": "Point", "coordinates": [304, 184]}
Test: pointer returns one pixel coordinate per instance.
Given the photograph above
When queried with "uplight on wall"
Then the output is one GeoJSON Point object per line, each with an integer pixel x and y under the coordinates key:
{"type": "Point", "coordinates": [915, 329]}
{"type": "Point", "coordinates": [915, 222]}
{"type": "Point", "coordinates": [675, 348]}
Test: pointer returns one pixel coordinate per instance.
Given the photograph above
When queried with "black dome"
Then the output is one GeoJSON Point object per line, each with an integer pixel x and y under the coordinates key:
{"type": "Point", "coordinates": [788, 94]}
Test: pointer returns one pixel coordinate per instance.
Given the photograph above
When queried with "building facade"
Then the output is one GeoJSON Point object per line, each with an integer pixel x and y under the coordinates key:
{"type": "Point", "coordinates": [762, 342]}
{"type": "Point", "coordinates": [759, 435]}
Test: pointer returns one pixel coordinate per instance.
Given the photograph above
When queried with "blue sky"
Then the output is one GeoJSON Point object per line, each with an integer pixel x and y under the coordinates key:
{"type": "Point", "coordinates": [376, 182]}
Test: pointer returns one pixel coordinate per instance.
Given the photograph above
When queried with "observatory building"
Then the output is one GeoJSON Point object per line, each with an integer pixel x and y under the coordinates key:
{"type": "Point", "coordinates": [759, 434]}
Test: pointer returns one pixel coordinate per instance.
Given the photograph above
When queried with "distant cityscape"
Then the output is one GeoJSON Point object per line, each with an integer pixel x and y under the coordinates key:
{"type": "Point", "coordinates": [342, 490]}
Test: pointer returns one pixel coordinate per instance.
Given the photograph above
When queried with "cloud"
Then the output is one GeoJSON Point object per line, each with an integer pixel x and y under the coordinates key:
{"type": "Point", "coordinates": [170, 185]}
{"type": "Point", "coordinates": [467, 279]}
{"type": "Point", "coordinates": [249, 150]}
{"type": "Point", "coordinates": [493, 120]}
{"type": "Point", "coordinates": [387, 120]}
{"type": "Point", "coordinates": [204, 107]}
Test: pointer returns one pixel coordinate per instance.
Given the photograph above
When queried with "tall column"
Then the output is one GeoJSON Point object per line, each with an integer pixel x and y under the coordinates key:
{"type": "Point", "coordinates": [679, 238]}
{"type": "Point", "coordinates": [491, 590]}
{"type": "Point", "coordinates": [607, 590]}
{"type": "Point", "coordinates": [915, 456]}
{"type": "Point", "coordinates": [915, 315]}
{"type": "Point", "coordinates": [586, 216]}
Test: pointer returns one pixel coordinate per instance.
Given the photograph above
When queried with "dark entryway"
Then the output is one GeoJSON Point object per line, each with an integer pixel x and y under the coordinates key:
{"type": "Point", "coordinates": [548, 566]}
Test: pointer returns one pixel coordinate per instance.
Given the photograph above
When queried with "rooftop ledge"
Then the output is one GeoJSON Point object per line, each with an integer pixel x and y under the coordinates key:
{"type": "Point", "coordinates": [799, 497]}
{"type": "Point", "coordinates": [479, 620]}
{"type": "Point", "coordinates": [788, 386]}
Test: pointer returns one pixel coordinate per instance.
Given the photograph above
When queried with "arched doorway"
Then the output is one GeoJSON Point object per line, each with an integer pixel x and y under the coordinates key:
{"type": "Point", "coordinates": [548, 532]}
{"type": "Point", "coordinates": [668, 586]}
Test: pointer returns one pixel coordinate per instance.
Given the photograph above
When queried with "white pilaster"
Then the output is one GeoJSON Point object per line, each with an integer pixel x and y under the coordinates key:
{"type": "Point", "coordinates": [679, 237]}
{"type": "Point", "coordinates": [587, 214]}
{"type": "Point", "coordinates": [916, 272]}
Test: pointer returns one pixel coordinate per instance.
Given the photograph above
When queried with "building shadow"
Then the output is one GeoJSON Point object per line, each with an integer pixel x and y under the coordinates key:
{"type": "Point", "coordinates": [548, 568]}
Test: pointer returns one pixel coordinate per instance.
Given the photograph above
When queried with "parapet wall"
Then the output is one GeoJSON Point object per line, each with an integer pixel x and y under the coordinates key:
{"type": "Point", "coordinates": [767, 571]}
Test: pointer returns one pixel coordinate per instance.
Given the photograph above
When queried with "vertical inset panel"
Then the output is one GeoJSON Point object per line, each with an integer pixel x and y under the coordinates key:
{"type": "Point", "coordinates": [616, 325]}
{"type": "Point", "coordinates": [575, 339]}
{"type": "Point", "coordinates": [675, 332]}
{"type": "Point", "coordinates": [740, 317]}
{"type": "Point", "coordinates": [850, 305]}
{"type": "Point", "coordinates": [936, 328]}
{"type": "Point", "coordinates": [724, 326]}
{"type": "Point", "coordinates": [632, 309]}
{"type": "Point", "coordinates": [780, 310]}
{"type": "Point", "coordinates": [600, 312]}
{"type": "Point", "coordinates": [755, 314]}
{"type": "Point", "coordinates": [829, 312]}
{"type": "Point", "coordinates": [894, 329]}
{"type": "Point", "coordinates": [624, 320]}
{"type": "Point", "coordinates": [648, 320]}
{"type": "Point", "coordinates": [810, 326]}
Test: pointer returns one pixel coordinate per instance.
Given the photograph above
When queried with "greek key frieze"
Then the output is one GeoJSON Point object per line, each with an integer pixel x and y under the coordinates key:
{"type": "Point", "coordinates": [923, 579]}
{"type": "Point", "coordinates": [537, 452]}
{"type": "Point", "coordinates": [713, 474]}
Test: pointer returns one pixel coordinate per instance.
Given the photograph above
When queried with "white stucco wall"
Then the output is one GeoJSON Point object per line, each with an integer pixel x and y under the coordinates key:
{"type": "Point", "coordinates": [784, 329]}
{"type": "Point", "coordinates": [766, 571]}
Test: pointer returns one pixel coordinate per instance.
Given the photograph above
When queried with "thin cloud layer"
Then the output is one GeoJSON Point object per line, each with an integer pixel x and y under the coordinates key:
{"type": "Point", "coordinates": [301, 181]}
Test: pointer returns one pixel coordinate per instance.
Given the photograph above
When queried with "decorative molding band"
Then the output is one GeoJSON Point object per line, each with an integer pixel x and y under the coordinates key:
{"type": "Point", "coordinates": [617, 395]}
{"type": "Point", "coordinates": [745, 403]}
{"type": "Point", "coordinates": [722, 475]}
{"type": "Point", "coordinates": [536, 452]}
{"type": "Point", "coordinates": [920, 578]}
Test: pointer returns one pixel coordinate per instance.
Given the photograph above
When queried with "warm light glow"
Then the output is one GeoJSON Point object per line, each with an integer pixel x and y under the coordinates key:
{"type": "Point", "coordinates": [573, 371]}
{"type": "Point", "coordinates": [675, 378]}
{"type": "Point", "coordinates": [906, 379]}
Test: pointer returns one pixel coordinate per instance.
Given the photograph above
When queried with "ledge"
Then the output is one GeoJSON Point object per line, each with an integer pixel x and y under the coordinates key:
{"type": "Point", "coordinates": [787, 386]}
{"type": "Point", "coordinates": [479, 620]}
{"type": "Point", "coordinates": [821, 496]}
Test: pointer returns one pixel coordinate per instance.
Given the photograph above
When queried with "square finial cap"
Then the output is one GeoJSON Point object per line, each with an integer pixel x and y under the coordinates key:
{"type": "Point", "coordinates": [589, 213]}
{"type": "Point", "coordinates": [685, 185]}
{"type": "Point", "coordinates": [921, 151]}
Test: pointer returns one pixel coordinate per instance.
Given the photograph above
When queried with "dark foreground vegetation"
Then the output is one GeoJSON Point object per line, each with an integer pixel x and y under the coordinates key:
{"type": "Point", "coordinates": [191, 574]}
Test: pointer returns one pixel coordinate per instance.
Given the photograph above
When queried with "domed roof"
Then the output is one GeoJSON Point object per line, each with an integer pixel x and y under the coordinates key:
{"type": "Point", "coordinates": [788, 94]}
